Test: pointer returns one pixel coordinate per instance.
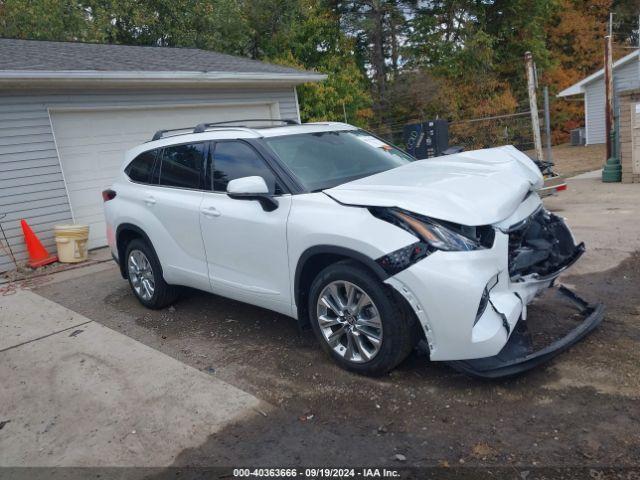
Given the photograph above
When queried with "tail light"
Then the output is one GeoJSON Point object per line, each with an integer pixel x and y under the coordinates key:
{"type": "Point", "coordinates": [108, 194]}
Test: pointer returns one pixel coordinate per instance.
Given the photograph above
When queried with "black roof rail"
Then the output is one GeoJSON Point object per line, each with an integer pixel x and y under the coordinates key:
{"type": "Point", "coordinates": [203, 126]}
{"type": "Point", "coordinates": [160, 133]}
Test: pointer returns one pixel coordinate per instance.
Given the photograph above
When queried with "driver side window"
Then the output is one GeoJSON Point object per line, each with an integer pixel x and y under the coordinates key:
{"type": "Point", "coordinates": [236, 159]}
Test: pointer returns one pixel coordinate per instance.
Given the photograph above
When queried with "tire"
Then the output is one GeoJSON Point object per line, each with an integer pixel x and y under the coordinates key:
{"type": "Point", "coordinates": [162, 294]}
{"type": "Point", "coordinates": [397, 333]}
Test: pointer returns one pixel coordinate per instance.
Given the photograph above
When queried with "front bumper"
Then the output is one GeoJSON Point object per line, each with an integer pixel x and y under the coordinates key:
{"type": "Point", "coordinates": [446, 289]}
{"type": "Point", "coordinates": [519, 355]}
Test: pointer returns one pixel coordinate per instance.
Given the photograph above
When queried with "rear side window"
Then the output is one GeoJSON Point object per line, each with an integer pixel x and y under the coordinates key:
{"type": "Point", "coordinates": [182, 165]}
{"type": "Point", "coordinates": [140, 167]}
{"type": "Point", "coordinates": [233, 160]}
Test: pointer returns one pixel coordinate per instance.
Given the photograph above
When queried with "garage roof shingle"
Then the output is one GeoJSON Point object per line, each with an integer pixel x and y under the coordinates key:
{"type": "Point", "coordinates": [36, 55]}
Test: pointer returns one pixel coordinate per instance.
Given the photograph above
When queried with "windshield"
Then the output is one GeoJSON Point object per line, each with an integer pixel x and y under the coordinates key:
{"type": "Point", "coordinates": [325, 159]}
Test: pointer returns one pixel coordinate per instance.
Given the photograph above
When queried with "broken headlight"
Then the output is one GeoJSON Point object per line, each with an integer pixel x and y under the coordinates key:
{"type": "Point", "coordinates": [434, 235]}
{"type": "Point", "coordinates": [437, 235]}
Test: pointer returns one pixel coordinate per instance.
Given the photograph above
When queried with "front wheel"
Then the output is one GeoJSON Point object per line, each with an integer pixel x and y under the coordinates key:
{"type": "Point", "coordinates": [358, 321]}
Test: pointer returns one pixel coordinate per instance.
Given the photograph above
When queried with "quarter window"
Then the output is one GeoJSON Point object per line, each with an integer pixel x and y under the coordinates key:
{"type": "Point", "coordinates": [140, 167]}
{"type": "Point", "coordinates": [182, 165]}
{"type": "Point", "coordinates": [233, 160]}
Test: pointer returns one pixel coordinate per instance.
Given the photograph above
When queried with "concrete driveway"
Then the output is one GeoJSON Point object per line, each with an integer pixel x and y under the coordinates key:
{"type": "Point", "coordinates": [581, 409]}
{"type": "Point", "coordinates": [76, 393]}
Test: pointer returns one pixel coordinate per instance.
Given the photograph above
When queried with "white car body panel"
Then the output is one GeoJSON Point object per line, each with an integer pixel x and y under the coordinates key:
{"type": "Point", "coordinates": [172, 224]}
{"type": "Point", "coordinates": [247, 250]}
{"type": "Point", "coordinates": [351, 228]}
{"type": "Point", "coordinates": [480, 187]}
{"type": "Point", "coordinates": [448, 285]}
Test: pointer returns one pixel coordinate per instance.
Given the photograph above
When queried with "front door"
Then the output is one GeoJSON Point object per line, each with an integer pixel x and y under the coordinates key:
{"type": "Point", "coordinates": [246, 246]}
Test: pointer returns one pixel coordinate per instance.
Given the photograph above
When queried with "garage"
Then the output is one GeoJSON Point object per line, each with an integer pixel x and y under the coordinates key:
{"type": "Point", "coordinates": [91, 145]}
{"type": "Point", "coordinates": [69, 111]}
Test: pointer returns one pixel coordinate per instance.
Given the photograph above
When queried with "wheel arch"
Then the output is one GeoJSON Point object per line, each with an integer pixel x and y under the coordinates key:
{"type": "Point", "coordinates": [124, 234]}
{"type": "Point", "coordinates": [318, 257]}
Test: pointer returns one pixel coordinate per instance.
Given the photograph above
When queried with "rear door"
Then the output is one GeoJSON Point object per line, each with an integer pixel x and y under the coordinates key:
{"type": "Point", "coordinates": [172, 203]}
{"type": "Point", "coordinates": [246, 246]}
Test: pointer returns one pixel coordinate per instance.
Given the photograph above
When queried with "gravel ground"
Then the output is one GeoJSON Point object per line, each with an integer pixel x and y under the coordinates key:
{"type": "Point", "coordinates": [582, 409]}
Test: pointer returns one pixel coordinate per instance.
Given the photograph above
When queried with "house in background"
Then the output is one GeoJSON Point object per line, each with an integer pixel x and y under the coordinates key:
{"type": "Point", "coordinates": [69, 111]}
{"type": "Point", "coordinates": [626, 76]}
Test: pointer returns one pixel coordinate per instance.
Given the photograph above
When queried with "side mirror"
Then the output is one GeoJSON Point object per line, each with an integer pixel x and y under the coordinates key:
{"type": "Point", "coordinates": [252, 188]}
{"type": "Point", "coordinates": [248, 186]}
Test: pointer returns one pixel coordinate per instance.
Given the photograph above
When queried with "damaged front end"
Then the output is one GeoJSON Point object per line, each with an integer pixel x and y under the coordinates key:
{"type": "Point", "coordinates": [539, 249]}
{"type": "Point", "coordinates": [473, 289]}
{"type": "Point", "coordinates": [521, 353]}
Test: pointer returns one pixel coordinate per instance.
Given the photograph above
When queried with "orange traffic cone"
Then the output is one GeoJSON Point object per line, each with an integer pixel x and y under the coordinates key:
{"type": "Point", "coordinates": [38, 255]}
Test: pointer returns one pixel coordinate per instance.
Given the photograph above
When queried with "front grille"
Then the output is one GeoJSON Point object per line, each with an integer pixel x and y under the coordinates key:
{"type": "Point", "coordinates": [542, 245]}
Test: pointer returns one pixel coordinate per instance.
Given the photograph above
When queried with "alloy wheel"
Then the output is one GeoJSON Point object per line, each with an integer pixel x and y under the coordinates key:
{"type": "Point", "coordinates": [141, 274]}
{"type": "Point", "coordinates": [349, 321]}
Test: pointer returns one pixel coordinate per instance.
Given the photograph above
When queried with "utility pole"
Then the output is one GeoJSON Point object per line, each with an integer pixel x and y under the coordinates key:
{"type": "Point", "coordinates": [612, 170]}
{"type": "Point", "coordinates": [611, 24]}
{"type": "Point", "coordinates": [533, 104]}
{"type": "Point", "coordinates": [547, 124]}
{"type": "Point", "coordinates": [608, 86]}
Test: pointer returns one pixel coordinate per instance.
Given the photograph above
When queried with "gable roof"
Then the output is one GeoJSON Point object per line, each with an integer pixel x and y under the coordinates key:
{"type": "Point", "coordinates": [35, 59]}
{"type": "Point", "coordinates": [578, 88]}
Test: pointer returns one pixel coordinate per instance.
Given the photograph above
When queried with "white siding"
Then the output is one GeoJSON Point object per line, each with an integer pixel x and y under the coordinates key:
{"type": "Point", "coordinates": [594, 108]}
{"type": "Point", "coordinates": [31, 182]}
{"type": "Point", "coordinates": [625, 77]}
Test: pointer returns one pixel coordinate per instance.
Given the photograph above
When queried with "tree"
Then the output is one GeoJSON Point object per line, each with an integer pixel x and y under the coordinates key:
{"type": "Point", "coordinates": [378, 27]}
{"type": "Point", "coordinates": [42, 20]}
{"type": "Point", "coordinates": [316, 42]}
{"type": "Point", "coordinates": [208, 24]}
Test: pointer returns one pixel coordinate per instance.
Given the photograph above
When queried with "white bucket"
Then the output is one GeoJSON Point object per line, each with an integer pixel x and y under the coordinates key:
{"type": "Point", "coordinates": [71, 241]}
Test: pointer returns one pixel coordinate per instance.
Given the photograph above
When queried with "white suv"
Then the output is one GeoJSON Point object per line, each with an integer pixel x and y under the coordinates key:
{"type": "Point", "coordinates": [330, 225]}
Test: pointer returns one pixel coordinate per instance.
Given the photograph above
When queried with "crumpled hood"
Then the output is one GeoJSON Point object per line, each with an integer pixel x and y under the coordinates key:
{"type": "Point", "coordinates": [479, 187]}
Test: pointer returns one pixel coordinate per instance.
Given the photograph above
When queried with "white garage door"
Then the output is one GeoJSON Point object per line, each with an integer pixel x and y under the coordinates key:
{"type": "Point", "coordinates": [91, 145]}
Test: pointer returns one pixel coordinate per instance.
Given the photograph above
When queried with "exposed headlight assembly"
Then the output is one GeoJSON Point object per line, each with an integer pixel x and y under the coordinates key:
{"type": "Point", "coordinates": [434, 235]}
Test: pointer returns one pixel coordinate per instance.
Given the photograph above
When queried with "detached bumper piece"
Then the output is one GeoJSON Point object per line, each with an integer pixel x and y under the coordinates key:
{"type": "Point", "coordinates": [518, 354]}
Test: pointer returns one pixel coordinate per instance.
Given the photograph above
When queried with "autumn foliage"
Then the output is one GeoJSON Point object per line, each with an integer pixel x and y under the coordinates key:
{"type": "Point", "coordinates": [388, 62]}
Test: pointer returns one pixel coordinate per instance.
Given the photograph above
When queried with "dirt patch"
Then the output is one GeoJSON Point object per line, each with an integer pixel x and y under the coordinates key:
{"type": "Point", "coordinates": [583, 408]}
{"type": "Point", "coordinates": [570, 161]}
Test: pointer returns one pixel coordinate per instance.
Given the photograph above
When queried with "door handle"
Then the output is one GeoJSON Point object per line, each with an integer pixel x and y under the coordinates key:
{"type": "Point", "coordinates": [210, 212]}
{"type": "Point", "coordinates": [149, 200]}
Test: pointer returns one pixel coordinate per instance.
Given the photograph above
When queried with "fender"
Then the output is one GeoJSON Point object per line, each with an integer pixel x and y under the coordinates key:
{"type": "Point", "coordinates": [330, 250]}
{"type": "Point", "coordinates": [129, 227]}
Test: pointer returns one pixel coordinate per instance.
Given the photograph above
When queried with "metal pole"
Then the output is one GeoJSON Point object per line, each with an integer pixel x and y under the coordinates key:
{"type": "Point", "coordinates": [344, 111]}
{"type": "Point", "coordinates": [6, 240]}
{"type": "Point", "coordinates": [608, 83]}
{"type": "Point", "coordinates": [610, 24]}
{"type": "Point", "coordinates": [533, 104]}
{"type": "Point", "coordinates": [547, 124]}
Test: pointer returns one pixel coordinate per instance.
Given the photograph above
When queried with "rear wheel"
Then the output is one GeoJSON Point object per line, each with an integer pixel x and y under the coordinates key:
{"type": "Point", "coordinates": [145, 276]}
{"type": "Point", "coordinates": [358, 320]}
